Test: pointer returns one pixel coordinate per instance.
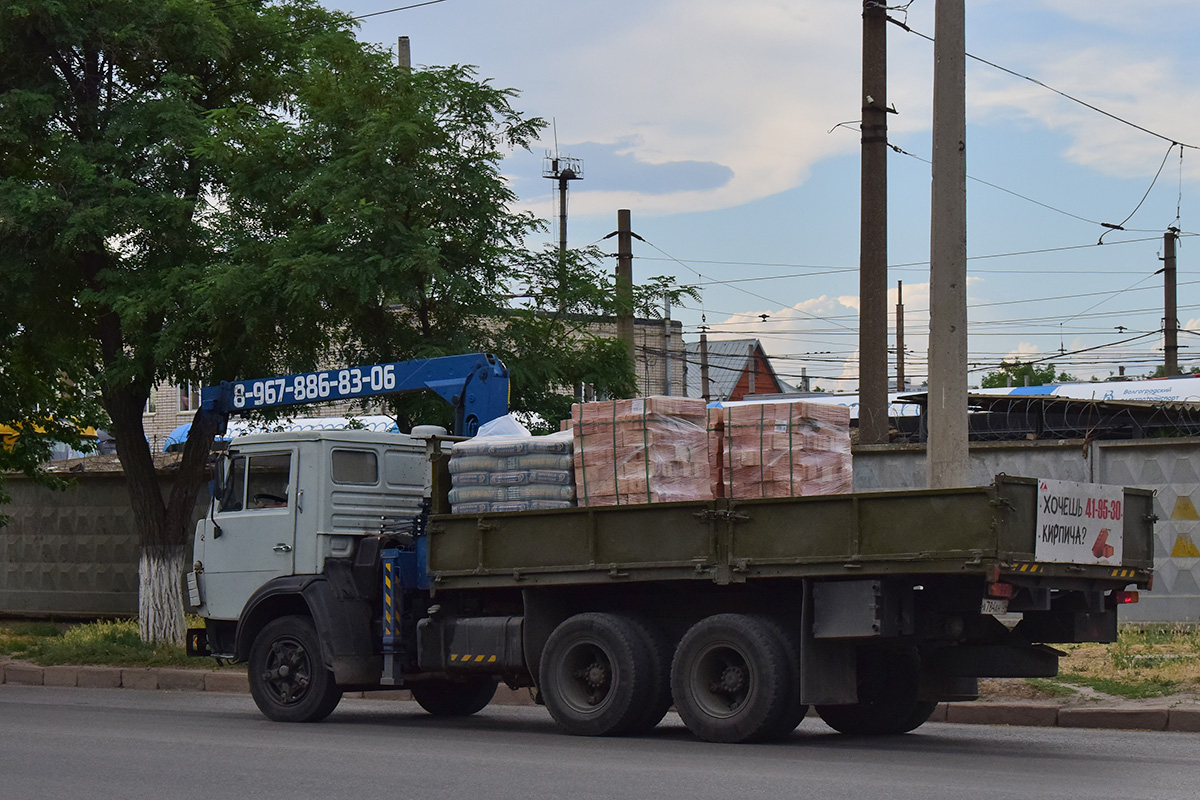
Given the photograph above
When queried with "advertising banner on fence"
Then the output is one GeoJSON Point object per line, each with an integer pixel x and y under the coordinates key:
{"type": "Point", "coordinates": [1079, 523]}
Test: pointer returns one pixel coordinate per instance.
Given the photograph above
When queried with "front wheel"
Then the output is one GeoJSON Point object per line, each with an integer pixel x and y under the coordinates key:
{"type": "Point", "coordinates": [288, 678]}
{"type": "Point", "coordinates": [444, 698]}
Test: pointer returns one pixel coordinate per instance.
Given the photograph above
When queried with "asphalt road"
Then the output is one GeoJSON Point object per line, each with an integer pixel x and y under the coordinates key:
{"type": "Point", "coordinates": [82, 743]}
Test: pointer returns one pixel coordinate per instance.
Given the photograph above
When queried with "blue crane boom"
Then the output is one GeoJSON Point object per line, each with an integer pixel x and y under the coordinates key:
{"type": "Point", "coordinates": [474, 384]}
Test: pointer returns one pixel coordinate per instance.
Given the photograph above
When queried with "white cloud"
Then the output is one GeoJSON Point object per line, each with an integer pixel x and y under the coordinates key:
{"type": "Point", "coordinates": [1022, 352]}
{"type": "Point", "coordinates": [754, 86]}
{"type": "Point", "coordinates": [1130, 80]}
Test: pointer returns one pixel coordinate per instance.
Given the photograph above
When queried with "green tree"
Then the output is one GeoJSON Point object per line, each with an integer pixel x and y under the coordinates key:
{"type": "Point", "coordinates": [1161, 371]}
{"type": "Point", "coordinates": [1015, 372]}
{"type": "Point", "coordinates": [39, 406]}
{"type": "Point", "coordinates": [552, 338]}
{"type": "Point", "coordinates": [195, 190]}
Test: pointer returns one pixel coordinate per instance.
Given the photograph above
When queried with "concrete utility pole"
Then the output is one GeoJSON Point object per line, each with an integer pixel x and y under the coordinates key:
{"type": "Point", "coordinates": [1170, 313]}
{"type": "Point", "coordinates": [872, 275]}
{"type": "Point", "coordinates": [899, 336]}
{"type": "Point", "coordinates": [667, 346]}
{"type": "Point", "coordinates": [625, 282]}
{"type": "Point", "coordinates": [704, 391]}
{"type": "Point", "coordinates": [403, 52]}
{"type": "Point", "coordinates": [947, 455]}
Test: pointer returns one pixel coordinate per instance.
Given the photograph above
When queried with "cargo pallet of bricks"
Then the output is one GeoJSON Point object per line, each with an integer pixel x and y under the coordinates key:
{"type": "Point", "coordinates": [659, 450]}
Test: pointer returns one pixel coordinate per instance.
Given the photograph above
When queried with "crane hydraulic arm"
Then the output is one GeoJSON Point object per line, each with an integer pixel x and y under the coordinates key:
{"type": "Point", "coordinates": [475, 384]}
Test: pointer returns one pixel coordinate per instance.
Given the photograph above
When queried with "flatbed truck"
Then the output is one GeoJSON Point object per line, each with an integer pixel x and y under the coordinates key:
{"type": "Point", "coordinates": [328, 563]}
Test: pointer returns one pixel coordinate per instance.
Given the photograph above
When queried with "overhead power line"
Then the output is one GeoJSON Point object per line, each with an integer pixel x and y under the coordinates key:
{"type": "Point", "coordinates": [1050, 88]}
{"type": "Point", "coordinates": [738, 288]}
{"type": "Point", "coordinates": [823, 269]}
{"type": "Point", "coordinates": [1120, 227]}
{"type": "Point", "coordinates": [303, 28]}
{"type": "Point", "coordinates": [903, 152]}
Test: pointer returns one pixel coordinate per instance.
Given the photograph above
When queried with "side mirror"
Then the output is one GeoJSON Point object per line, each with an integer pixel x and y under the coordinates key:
{"type": "Point", "coordinates": [218, 483]}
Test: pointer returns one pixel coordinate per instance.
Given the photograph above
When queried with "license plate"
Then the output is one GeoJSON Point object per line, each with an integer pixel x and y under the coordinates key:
{"type": "Point", "coordinates": [994, 605]}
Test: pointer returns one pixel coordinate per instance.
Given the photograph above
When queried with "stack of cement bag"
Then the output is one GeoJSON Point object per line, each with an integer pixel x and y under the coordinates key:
{"type": "Point", "coordinates": [511, 473]}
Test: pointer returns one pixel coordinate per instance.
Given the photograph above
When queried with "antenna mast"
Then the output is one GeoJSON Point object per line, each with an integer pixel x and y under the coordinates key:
{"type": "Point", "coordinates": [562, 169]}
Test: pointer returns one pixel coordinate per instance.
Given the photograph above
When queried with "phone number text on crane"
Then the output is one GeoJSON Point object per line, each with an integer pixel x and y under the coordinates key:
{"type": "Point", "coordinates": [331, 384]}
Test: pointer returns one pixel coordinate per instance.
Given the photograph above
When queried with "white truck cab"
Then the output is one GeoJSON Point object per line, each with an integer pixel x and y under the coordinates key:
{"type": "Point", "coordinates": [285, 502]}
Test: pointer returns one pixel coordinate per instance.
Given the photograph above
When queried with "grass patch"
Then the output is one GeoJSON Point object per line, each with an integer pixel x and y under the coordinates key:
{"type": "Point", "coordinates": [108, 642]}
{"type": "Point", "coordinates": [1051, 688]}
{"type": "Point", "coordinates": [1174, 636]}
{"type": "Point", "coordinates": [1146, 661]}
{"type": "Point", "coordinates": [1134, 690]}
{"type": "Point", "coordinates": [38, 629]}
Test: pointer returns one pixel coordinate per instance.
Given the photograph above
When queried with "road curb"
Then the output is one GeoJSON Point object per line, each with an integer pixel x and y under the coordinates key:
{"type": "Point", "coordinates": [1030, 715]}
{"type": "Point", "coordinates": [1141, 719]}
{"type": "Point", "coordinates": [1018, 714]}
{"type": "Point", "coordinates": [1184, 719]}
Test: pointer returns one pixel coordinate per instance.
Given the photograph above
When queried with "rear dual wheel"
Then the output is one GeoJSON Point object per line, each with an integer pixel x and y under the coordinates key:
{"type": "Point", "coordinates": [735, 678]}
{"type": "Point", "coordinates": [888, 681]}
{"type": "Point", "coordinates": [605, 675]}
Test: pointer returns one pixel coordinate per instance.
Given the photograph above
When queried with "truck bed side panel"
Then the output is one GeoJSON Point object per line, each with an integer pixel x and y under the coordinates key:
{"type": "Point", "coordinates": [956, 531]}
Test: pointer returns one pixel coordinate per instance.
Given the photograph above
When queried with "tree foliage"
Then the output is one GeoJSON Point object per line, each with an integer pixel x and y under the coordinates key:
{"type": "Point", "coordinates": [561, 315]}
{"type": "Point", "coordinates": [1161, 371]}
{"type": "Point", "coordinates": [195, 190]}
{"type": "Point", "coordinates": [1015, 372]}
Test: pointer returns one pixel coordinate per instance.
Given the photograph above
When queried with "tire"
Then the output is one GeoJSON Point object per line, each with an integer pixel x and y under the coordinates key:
{"type": "Point", "coordinates": [887, 687]}
{"type": "Point", "coordinates": [659, 650]}
{"type": "Point", "coordinates": [443, 698]}
{"type": "Point", "coordinates": [796, 711]}
{"type": "Point", "coordinates": [598, 676]}
{"type": "Point", "coordinates": [735, 679]}
{"type": "Point", "coordinates": [288, 678]}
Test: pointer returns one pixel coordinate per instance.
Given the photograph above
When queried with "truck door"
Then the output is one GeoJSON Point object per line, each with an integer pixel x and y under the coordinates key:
{"type": "Point", "coordinates": [257, 521]}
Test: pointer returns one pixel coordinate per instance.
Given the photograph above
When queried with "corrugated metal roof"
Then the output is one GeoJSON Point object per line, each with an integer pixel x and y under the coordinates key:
{"type": "Point", "coordinates": [727, 362]}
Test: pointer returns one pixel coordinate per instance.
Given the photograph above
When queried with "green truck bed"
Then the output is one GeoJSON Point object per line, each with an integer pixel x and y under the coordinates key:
{"type": "Point", "coordinates": [989, 530]}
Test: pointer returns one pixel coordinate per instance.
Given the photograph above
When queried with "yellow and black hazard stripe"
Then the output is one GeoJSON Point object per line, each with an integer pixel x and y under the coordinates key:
{"type": "Point", "coordinates": [1031, 569]}
{"type": "Point", "coordinates": [389, 614]}
{"type": "Point", "coordinates": [472, 658]}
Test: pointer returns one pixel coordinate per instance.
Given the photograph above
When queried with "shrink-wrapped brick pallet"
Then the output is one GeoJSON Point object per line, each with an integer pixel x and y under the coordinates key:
{"type": "Point", "coordinates": [792, 449]}
{"type": "Point", "coordinates": [498, 473]}
{"type": "Point", "coordinates": [644, 450]}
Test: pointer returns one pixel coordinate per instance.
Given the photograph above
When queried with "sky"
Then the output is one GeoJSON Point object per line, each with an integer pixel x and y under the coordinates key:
{"type": "Point", "coordinates": [730, 132]}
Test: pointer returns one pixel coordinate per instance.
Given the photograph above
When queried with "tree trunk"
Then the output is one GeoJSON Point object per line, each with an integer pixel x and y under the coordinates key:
{"type": "Point", "coordinates": [160, 599]}
{"type": "Point", "coordinates": [164, 528]}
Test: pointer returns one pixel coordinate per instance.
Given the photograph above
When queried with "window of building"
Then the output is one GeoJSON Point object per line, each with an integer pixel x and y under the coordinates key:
{"type": "Point", "coordinates": [151, 405]}
{"type": "Point", "coordinates": [189, 397]}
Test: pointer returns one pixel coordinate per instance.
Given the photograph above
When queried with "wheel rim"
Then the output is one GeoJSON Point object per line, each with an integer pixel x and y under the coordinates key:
{"type": "Point", "coordinates": [586, 676]}
{"type": "Point", "coordinates": [287, 673]}
{"type": "Point", "coordinates": [721, 680]}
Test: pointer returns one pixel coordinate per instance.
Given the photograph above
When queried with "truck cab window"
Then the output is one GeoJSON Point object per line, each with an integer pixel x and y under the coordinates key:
{"type": "Point", "coordinates": [355, 466]}
{"type": "Point", "coordinates": [267, 480]}
{"type": "Point", "coordinates": [233, 498]}
{"type": "Point", "coordinates": [257, 482]}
